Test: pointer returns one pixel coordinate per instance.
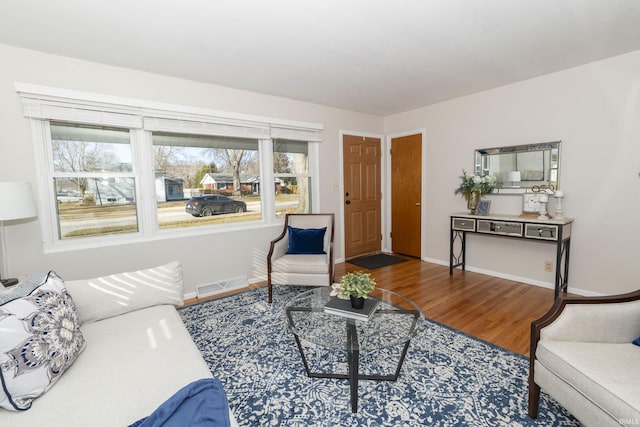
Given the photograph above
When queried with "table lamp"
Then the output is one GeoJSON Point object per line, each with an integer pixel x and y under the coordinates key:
{"type": "Point", "coordinates": [16, 202]}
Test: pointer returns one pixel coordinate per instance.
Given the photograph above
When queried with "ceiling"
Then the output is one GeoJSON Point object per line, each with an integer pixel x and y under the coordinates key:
{"type": "Point", "coordinates": [373, 56]}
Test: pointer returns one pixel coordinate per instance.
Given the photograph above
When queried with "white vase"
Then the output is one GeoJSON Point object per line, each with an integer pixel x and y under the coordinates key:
{"type": "Point", "coordinates": [559, 211]}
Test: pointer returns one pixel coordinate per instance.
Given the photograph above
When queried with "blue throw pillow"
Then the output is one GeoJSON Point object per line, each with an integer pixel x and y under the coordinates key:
{"type": "Point", "coordinates": [636, 341]}
{"type": "Point", "coordinates": [306, 240]}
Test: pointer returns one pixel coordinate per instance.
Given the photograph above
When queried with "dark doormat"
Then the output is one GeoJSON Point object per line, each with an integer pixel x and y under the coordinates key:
{"type": "Point", "coordinates": [375, 261]}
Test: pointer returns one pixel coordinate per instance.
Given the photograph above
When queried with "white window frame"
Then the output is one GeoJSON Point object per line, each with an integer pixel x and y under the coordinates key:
{"type": "Point", "coordinates": [134, 135]}
{"type": "Point", "coordinates": [43, 104]}
{"type": "Point", "coordinates": [306, 175]}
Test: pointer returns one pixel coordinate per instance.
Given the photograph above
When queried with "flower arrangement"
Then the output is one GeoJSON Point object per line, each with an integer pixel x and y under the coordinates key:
{"type": "Point", "coordinates": [357, 284]}
{"type": "Point", "coordinates": [475, 184]}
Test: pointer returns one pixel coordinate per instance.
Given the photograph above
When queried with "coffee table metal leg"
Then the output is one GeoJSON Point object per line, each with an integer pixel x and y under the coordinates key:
{"type": "Point", "coordinates": [353, 352]}
{"type": "Point", "coordinates": [353, 356]}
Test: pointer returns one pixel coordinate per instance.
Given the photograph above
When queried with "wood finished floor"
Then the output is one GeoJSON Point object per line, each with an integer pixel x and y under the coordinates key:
{"type": "Point", "coordinates": [496, 310]}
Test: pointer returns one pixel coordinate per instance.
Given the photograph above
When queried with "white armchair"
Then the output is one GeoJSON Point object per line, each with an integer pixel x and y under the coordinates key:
{"type": "Point", "coordinates": [303, 253]}
{"type": "Point", "coordinates": [582, 355]}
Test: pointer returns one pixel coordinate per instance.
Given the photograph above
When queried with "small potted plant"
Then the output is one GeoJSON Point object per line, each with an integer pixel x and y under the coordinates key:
{"type": "Point", "coordinates": [356, 286]}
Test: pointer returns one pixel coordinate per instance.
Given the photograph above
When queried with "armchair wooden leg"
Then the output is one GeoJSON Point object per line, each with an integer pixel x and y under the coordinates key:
{"type": "Point", "coordinates": [534, 399]}
{"type": "Point", "coordinates": [270, 290]}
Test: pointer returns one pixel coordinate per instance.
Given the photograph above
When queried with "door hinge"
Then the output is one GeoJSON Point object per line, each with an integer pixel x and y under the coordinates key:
{"type": "Point", "coordinates": [391, 234]}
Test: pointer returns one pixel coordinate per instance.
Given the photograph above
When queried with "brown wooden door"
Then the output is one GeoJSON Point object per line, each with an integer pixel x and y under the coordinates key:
{"type": "Point", "coordinates": [406, 194]}
{"type": "Point", "coordinates": [362, 195]}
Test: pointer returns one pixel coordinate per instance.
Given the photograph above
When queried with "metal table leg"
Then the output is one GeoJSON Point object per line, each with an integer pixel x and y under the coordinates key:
{"type": "Point", "coordinates": [353, 355]}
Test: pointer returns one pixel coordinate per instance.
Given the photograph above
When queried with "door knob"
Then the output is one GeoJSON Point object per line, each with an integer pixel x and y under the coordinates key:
{"type": "Point", "coordinates": [348, 202]}
{"type": "Point", "coordinates": [418, 204]}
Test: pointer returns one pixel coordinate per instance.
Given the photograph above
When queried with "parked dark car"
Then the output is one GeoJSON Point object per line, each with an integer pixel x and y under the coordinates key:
{"type": "Point", "coordinates": [214, 204]}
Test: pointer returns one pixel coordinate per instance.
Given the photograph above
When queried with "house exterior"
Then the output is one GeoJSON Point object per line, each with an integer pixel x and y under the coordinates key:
{"type": "Point", "coordinates": [223, 182]}
{"type": "Point", "coordinates": [168, 189]}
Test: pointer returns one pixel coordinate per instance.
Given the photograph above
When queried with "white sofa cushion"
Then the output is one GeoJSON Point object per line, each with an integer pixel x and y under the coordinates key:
{"type": "Point", "coordinates": [305, 264]}
{"type": "Point", "coordinates": [131, 364]}
{"type": "Point", "coordinates": [108, 296]}
{"type": "Point", "coordinates": [40, 338]}
{"type": "Point", "coordinates": [606, 373]}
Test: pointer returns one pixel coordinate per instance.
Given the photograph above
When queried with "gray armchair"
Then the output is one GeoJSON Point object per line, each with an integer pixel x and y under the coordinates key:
{"type": "Point", "coordinates": [303, 253]}
{"type": "Point", "coordinates": [582, 355]}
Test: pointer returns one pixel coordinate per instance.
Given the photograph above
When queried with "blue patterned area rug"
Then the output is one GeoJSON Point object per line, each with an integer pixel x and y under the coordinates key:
{"type": "Point", "coordinates": [448, 378]}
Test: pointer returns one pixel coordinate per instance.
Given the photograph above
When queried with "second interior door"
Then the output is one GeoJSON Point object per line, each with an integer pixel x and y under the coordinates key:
{"type": "Point", "coordinates": [406, 195]}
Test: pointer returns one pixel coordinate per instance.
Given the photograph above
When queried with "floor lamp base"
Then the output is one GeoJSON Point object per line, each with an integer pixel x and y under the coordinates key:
{"type": "Point", "coordinates": [8, 282]}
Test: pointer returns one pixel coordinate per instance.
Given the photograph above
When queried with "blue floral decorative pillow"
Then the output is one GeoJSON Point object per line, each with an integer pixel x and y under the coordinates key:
{"type": "Point", "coordinates": [636, 341]}
{"type": "Point", "coordinates": [306, 240]}
{"type": "Point", "coordinates": [41, 338]}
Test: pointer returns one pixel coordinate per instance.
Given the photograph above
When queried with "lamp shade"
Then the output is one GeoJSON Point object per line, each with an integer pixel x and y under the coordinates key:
{"type": "Point", "coordinates": [16, 201]}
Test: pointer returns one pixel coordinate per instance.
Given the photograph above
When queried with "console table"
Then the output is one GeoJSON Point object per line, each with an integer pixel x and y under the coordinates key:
{"type": "Point", "coordinates": [556, 231]}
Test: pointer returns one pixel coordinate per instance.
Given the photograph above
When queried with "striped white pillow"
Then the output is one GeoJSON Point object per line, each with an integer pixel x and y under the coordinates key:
{"type": "Point", "coordinates": [109, 296]}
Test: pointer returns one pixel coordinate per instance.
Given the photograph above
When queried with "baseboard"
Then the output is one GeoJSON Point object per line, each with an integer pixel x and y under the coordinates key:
{"type": "Point", "coordinates": [520, 279]}
{"type": "Point", "coordinates": [189, 295]}
{"type": "Point", "coordinates": [435, 261]}
{"type": "Point", "coordinates": [257, 279]}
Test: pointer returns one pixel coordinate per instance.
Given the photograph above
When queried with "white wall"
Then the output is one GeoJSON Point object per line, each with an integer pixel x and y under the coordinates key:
{"type": "Point", "coordinates": [595, 111]}
{"type": "Point", "coordinates": [206, 258]}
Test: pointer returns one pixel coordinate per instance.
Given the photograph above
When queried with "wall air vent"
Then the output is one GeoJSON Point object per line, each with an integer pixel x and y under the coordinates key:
{"type": "Point", "coordinates": [221, 286]}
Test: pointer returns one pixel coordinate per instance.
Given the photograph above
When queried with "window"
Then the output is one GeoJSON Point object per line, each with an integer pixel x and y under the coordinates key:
{"type": "Point", "coordinates": [191, 168]}
{"type": "Point", "coordinates": [291, 175]}
{"type": "Point", "coordinates": [119, 166]}
{"type": "Point", "coordinates": [93, 181]}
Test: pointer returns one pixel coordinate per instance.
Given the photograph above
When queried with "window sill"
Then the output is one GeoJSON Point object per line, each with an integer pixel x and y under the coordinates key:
{"type": "Point", "coordinates": [181, 233]}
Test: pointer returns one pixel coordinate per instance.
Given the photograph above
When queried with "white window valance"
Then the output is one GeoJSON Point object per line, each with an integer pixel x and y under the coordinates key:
{"type": "Point", "coordinates": [203, 127]}
{"type": "Point", "coordinates": [47, 103]}
{"type": "Point", "coordinates": [295, 133]}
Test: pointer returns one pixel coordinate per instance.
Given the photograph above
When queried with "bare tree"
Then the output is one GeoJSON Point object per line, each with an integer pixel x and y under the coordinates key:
{"type": "Point", "coordinates": [281, 162]}
{"type": "Point", "coordinates": [234, 158]}
{"type": "Point", "coordinates": [181, 162]}
{"type": "Point", "coordinates": [75, 156]}
{"type": "Point", "coordinates": [250, 163]}
{"type": "Point", "coordinates": [164, 157]}
{"type": "Point", "coordinates": [81, 156]}
{"type": "Point", "coordinates": [236, 161]}
{"type": "Point", "coordinates": [300, 164]}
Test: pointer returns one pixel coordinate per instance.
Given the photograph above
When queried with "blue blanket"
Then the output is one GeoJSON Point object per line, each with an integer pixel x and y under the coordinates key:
{"type": "Point", "coordinates": [199, 404]}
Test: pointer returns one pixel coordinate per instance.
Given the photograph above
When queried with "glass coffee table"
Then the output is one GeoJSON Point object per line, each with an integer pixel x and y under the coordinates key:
{"type": "Point", "coordinates": [394, 322]}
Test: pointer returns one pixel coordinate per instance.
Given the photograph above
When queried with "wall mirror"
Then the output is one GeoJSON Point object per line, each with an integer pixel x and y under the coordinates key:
{"type": "Point", "coordinates": [520, 167]}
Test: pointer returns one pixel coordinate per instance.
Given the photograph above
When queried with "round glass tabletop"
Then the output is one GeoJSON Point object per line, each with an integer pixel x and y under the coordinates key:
{"type": "Point", "coordinates": [394, 321]}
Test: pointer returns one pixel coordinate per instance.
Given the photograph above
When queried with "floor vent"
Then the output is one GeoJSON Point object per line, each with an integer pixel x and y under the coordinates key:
{"type": "Point", "coordinates": [221, 286]}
